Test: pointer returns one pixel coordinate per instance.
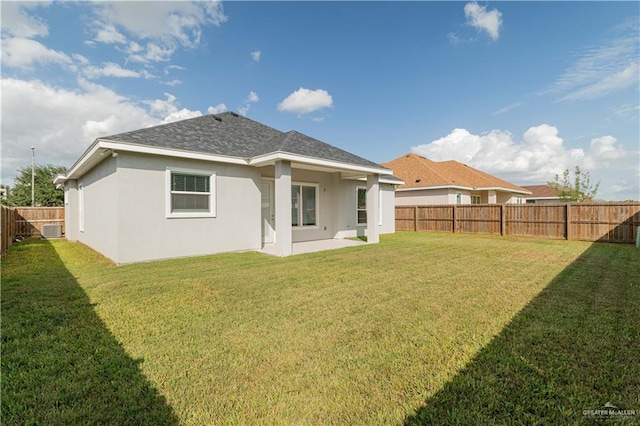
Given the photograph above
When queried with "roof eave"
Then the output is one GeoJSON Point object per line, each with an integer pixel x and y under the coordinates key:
{"type": "Point", "coordinates": [270, 158]}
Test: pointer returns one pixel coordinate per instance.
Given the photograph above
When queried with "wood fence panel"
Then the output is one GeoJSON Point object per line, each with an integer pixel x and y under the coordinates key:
{"type": "Point", "coordinates": [435, 218]}
{"type": "Point", "coordinates": [7, 229]}
{"type": "Point", "coordinates": [405, 218]}
{"type": "Point", "coordinates": [605, 222]}
{"type": "Point", "coordinates": [545, 220]}
{"type": "Point", "coordinates": [29, 220]}
{"type": "Point", "coordinates": [478, 219]}
{"type": "Point", "coordinates": [612, 222]}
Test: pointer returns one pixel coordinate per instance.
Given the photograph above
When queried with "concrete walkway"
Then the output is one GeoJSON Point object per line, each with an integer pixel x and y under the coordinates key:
{"type": "Point", "coordinates": [314, 246]}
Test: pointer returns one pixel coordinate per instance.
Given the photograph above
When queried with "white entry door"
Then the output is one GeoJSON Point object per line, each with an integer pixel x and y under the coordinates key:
{"type": "Point", "coordinates": [268, 212]}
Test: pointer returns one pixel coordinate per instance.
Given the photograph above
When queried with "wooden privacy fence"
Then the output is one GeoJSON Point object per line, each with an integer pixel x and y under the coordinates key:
{"type": "Point", "coordinates": [612, 222]}
{"type": "Point", "coordinates": [7, 229]}
{"type": "Point", "coordinates": [29, 220]}
{"type": "Point", "coordinates": [25, 222]}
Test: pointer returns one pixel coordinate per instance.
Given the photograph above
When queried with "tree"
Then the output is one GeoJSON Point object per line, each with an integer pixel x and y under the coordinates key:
{"type": "Point", "coordinates": [46, 193]}
{"type": "Point", "coordinates": [578, 189]}
{"type": "Point", "coordinates": [5, 190]}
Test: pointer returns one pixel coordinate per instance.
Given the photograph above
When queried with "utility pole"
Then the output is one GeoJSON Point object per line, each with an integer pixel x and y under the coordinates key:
{"type": "Point", "coordinates": [33, 176]}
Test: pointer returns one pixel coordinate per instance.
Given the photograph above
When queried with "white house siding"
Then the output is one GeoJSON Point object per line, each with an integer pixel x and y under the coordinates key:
{"type": "Point", "coordinates": [348, 215]}
{"type": "Point", "coordinates": [144, 231]}
{"type": "Point", "coordinates": [71, 210]}
{"type": "Point", "coordinates": [100, 195]}
{"type": "Point", "coordinates": [388, 208]}
{"type": "Point", "coordinates": [421, 197]}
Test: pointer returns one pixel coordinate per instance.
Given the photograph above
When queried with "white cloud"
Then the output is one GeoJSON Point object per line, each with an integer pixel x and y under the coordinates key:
{"type": "Point", "coordinates": [627, 110]}
{"type": "Point", "coordinates": [168, 68]}
{"type": "Point", "coordinates": [217, 109]}
{"type": "Point", "coordinates": [65, 121]}
{"type": "Point", "coordinates": [156, 29]}
{"type": "Point", "coordinates": [252, 98]}
{"type": "Point", "coordinates": [25, 53]}
{"type": "Point", "coordinates": [68, 121]}
{"type": "Point", "coordinates": [601, 69]}
{"type": "Point", "coordinates": [110, 70]}
{"type": "Point", "coordinates": [508, 108]}
{"type": "Point", "coordinates": [255, 56]}
{"type": "Point", "coordinates": [479, 18]}
{"type": "Point", "coordinates": [182, 114]}
{"type": "Point", "coordinates": [628, 77]}
{"type": "Point", "coordinates": [304, 101]}
{"type": "Point", "coordinates": [536, 159]}
{"type": "Point", "coordinates": [18, 23]}
{"type": "Point", "coordinates": [109, 34]}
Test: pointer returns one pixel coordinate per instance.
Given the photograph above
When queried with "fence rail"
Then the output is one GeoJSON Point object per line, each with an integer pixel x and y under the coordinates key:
{"type": "Point", "coordinates": [29, 220]}
{"type": "Point", "coordinates": [26, 222]}
{"type": "Point", "coordinates": [612, 222]}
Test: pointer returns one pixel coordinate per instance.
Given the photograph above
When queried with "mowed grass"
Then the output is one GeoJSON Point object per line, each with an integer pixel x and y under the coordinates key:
{"type": "Point", "coordinates": [422, 328]}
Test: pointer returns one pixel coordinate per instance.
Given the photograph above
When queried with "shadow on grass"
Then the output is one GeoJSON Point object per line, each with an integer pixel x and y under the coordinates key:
{"type": "Point", "coordinates": [60, 364]}
{"type": "Point", "coordinates": [575, 347]}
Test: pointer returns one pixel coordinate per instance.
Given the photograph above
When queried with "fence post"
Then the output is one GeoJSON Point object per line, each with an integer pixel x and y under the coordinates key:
{"type": "Point", "coordinates": [502, 220]}
{"type": "Point", "coordinates": [568, 221]}
{"type": "Point", "coordinates": [453, 224]}
{"type": "Point", "coordinates": [415, 218]}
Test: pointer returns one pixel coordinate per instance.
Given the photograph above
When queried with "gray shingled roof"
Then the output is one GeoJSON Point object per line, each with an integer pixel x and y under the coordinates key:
{"type": "Point", "coordinates": [230, 134]}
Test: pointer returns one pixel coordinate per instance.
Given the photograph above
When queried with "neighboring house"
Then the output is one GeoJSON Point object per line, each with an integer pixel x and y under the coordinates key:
{"type": "Point", "coordinates": [429, 182]}
{"type": "Point", "coordinates": [220, 183]}
{"type": "Point", "coordinates": [541, 194]}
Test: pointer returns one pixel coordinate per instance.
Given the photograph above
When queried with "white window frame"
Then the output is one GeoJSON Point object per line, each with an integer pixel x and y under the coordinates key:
{"type": "Point", "coordinates": [81, 207]}
{"type": "Point", "coordinates": [212, 193]}
{"type": "Point", "coordinates": [316, 186]}
{"type": "Point", "coordinates": [476, 197]}
{"type": "Point", "coordinates": [358, 188]}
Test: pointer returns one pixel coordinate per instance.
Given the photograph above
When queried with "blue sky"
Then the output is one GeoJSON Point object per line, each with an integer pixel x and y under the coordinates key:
{"type": "Point", "coordinates": [521, 90]}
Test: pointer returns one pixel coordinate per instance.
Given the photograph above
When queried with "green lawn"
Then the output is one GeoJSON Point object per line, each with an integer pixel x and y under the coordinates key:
{"type": "Point", "coordinates": [422, 328]}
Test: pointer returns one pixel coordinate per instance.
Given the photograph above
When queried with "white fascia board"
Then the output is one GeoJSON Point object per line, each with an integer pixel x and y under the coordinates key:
{"type": "Point", "coordinates": [499, 188]}
{"type": "Point", "coordinates": [543, 198]}
{"type": "Point", "coordinates": [95, 154]}
{"type": "Point", "coordinates": [382, 179]}
{"type": "Point", "coordinates": [146, 149]}
{"type": "Point", "coordinates": [262, 160]}
{"type": "Point", "coordinates": [60, 179]}
{"type": "Point", "coordinates": [467, 188]}
{"type": "Point", "coordinates": [421, 188]}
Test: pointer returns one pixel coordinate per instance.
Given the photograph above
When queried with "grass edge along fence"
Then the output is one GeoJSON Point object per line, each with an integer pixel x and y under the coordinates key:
{"type": "Point", "coordinates": [608, 222]}
{"type": "Point", "coordinates": [26, 222]}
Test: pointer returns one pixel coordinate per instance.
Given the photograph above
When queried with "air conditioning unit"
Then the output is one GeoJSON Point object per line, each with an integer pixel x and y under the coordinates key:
{"type": "Point", "coordinates": [52, 230]}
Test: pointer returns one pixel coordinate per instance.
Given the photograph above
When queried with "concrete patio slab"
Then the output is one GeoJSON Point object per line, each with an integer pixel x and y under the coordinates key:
{"type": "Point", "coordinates": [313, 246]}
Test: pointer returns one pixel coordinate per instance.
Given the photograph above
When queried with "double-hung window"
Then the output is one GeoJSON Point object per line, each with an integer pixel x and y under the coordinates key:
{"type": "Point", "coordinates": [304, 205]}
{"type": "Point", "coordinates": [361, 207]}
{"type": "Point", "coordinates": [475, 199]}
{"type": "Point", "coordinates": [190, 193]}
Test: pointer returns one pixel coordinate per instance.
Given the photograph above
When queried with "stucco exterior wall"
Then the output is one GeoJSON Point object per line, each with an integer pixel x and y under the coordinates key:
{"type": "Point", "coordinates": [100, 200]}
{"type": "Point", "coordinates": [144, 230]}
{"type": "Point", "coordinates": [325, 207]}
{"type": "Point", "coordinates": [71, 210]}
{"type": "Point", "coordinates": [348, 215]}
{"type": "Point", "coordinates": [388, 209]}
{"type": "Point", "coordinates": [423, 197]}
{"type": "Point", "coordinates": [125, 209]}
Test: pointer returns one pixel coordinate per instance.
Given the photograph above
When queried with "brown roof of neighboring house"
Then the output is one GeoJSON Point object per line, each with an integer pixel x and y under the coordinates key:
{"type": "Point", "coordinates": [418, 172]}
{"type": "Point", "coordinates": [541, 191]}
